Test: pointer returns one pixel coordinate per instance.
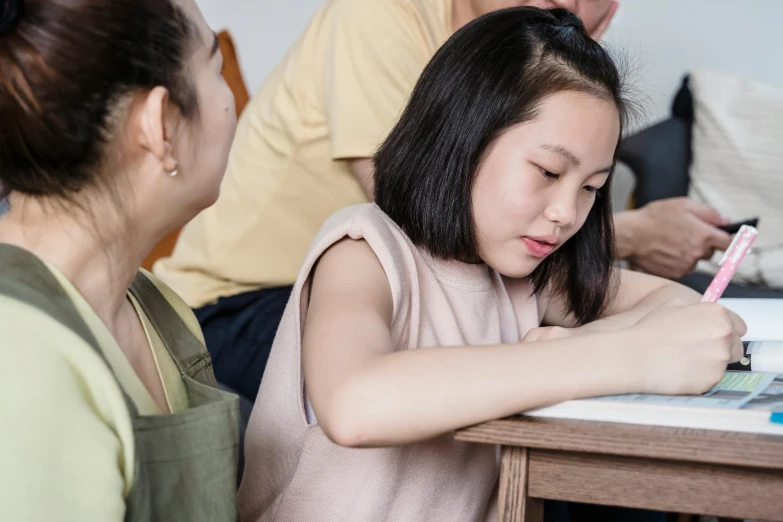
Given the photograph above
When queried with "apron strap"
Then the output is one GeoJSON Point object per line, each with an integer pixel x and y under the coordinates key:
{"type": "Point", "coordinates": [188, 352]}
{"type": "Point", "coordinates": [25, 278]}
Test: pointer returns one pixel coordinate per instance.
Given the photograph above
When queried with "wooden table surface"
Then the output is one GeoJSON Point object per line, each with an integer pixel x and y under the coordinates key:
{"type": "Point", "coordinates": [725, 474]}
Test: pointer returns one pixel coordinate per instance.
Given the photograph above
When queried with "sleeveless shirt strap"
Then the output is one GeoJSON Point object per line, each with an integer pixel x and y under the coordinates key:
{"type": "Point", "coordinates": [25, 278]}
{"type": "Point", "coordinates": [188, 352]}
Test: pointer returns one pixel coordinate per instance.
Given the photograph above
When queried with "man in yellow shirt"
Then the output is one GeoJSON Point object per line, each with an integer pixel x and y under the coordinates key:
{"type": "Point", "coordinates": [302, 151]}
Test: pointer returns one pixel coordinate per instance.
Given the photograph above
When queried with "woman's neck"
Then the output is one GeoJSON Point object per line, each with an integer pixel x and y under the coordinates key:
{"type": "Point", "coordinates": [98, 252]}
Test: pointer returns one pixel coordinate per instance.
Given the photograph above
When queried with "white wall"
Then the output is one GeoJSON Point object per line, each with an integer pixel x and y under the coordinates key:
{"type": "Point", "coordinates": [262, 30]}
{"type": "Point", "coordinates": [665, 38]}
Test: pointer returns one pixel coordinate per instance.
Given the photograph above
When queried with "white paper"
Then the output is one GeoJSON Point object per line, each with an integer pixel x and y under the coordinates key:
{"type": "Point", "coordinates": [764, 317]}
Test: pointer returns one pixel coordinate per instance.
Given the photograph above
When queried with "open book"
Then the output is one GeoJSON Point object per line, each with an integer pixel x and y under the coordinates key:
{"type": "Point", "coordinates": [741, 401]}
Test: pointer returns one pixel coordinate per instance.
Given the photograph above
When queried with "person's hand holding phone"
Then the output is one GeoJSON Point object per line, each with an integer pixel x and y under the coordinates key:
{"type": "Point", "coordinates": [733, 228]}
{"type": "Point", "coordinates": [668, 237]}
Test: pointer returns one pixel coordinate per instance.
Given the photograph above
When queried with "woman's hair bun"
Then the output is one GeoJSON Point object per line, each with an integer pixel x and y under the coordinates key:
{"type": "Point", "coordinates": [10, 14]}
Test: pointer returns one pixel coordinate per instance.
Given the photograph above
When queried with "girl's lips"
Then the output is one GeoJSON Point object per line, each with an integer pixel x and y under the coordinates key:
{"type": "Point", "coordinates": [538, 248]}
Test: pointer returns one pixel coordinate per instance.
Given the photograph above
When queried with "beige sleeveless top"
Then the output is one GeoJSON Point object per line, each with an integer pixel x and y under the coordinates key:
{"type": "Point", "coordinates": [295, 473]}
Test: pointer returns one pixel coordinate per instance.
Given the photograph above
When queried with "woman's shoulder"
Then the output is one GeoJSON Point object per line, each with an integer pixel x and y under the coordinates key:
{"type": "Point", "coordinates": [63, 393]}
{"type": "Point", "coordinates": [22, 327]}
{"type": "Point", "coordinates": [43, 351]}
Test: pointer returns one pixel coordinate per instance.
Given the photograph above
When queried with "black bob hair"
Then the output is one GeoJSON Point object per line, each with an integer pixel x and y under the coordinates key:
{"type": "Point", "coordinates": [490, 75]}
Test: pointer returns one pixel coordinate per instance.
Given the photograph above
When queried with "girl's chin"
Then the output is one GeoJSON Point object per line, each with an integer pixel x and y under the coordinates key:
{"type": "Point", "coordinates": [517, 267]}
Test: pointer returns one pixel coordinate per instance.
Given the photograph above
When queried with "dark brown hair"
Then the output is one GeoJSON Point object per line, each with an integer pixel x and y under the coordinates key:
{"type": "Point", "coordinates": [489, 76]}
{"type": "Point", "coordinates": [66, 66]}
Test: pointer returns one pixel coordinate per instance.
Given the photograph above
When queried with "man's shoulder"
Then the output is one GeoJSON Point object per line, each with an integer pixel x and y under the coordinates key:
{"type": "Point", "coordinates": [373, 4]}
{"type": "Point", "coordinates": [378, 10]}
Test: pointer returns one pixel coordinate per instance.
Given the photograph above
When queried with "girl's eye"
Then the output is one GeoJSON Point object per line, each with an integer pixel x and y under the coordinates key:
{"type": "Point", "coordinates": [550, 175]}
{"type": "Point", "coordinates": [593, 190]}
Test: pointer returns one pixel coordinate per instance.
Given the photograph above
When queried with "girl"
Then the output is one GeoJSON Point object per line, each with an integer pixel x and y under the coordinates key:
{"type": "Point", "coordinates": [116, 126]}
{"type": "Point", "coordinates": [418, 315]}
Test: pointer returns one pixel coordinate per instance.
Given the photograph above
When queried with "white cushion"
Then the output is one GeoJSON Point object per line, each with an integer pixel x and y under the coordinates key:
{"type": "Point", "coordinates": [738, 164]}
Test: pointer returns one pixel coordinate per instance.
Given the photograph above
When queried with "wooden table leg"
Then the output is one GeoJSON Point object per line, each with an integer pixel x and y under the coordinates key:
{"type": "Point", "coordinates": [513, 503]}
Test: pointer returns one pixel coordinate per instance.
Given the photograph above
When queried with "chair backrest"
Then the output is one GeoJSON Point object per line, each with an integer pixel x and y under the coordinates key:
{"type": "Point", "coordinates": [232, 72]}
{"type": "Point", "coordinates": [233, 75]}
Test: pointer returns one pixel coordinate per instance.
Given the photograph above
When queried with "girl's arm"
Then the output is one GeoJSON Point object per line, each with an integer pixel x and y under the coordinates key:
{"type": "Point", "coordinates": [636, 295]}
{"type": "Point", "coordinates": [366, 393]}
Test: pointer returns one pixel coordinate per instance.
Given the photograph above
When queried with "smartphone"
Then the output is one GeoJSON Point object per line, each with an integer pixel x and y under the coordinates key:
{"type": "Point", "coordinates": [733, 228]}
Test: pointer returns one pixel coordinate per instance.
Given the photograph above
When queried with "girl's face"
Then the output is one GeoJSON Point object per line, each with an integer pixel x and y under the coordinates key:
{"type": "Point", "coordinates": [538, 181]}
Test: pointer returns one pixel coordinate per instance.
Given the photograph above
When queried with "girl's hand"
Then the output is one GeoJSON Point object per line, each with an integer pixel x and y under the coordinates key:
{"type": "Point", "coordinates": [684, 349]}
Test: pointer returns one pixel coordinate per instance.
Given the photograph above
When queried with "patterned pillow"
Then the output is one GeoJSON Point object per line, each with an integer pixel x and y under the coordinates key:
{"type": "Point", "coordinates": [738, 164]}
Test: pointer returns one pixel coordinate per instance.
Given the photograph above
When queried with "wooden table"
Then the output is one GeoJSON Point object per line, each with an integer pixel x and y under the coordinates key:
{"type": "Point", "coordinates": [724, 474]}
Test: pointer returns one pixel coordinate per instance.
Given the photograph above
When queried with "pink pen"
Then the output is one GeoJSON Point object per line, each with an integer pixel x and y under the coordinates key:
{"type": "Point", "coordinates": [739, 247]}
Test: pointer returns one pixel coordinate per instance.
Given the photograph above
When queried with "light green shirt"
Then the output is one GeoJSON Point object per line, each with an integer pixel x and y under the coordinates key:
{"type": "Point", "coordinates": [67, 449]}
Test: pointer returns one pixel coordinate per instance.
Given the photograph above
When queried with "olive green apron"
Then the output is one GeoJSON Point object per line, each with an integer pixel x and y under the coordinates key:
{"type": "Point", "coordinates": [186, 463]}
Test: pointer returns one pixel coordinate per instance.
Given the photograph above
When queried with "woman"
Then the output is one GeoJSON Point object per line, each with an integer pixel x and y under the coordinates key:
{"type": "Point", "coordinates": [420, 315]}
{"type": "Point", "coordinates": [116, 126]}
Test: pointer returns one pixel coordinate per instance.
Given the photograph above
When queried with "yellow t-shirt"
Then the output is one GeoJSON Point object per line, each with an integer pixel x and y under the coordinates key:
{"type": "Point", "coordinates": [335, 96]}
{"type": "Point", "coordinates": [67, 449]}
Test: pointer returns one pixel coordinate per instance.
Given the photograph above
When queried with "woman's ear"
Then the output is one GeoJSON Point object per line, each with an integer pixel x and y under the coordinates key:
{"type": "Point", "coordinates": [152, 129]}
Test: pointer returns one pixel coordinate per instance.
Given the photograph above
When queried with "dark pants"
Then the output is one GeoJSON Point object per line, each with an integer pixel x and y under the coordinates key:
{"type": "Point", "coordinates": [239, 331]}
{"type": "Point", "coordinates": [557, 511]}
